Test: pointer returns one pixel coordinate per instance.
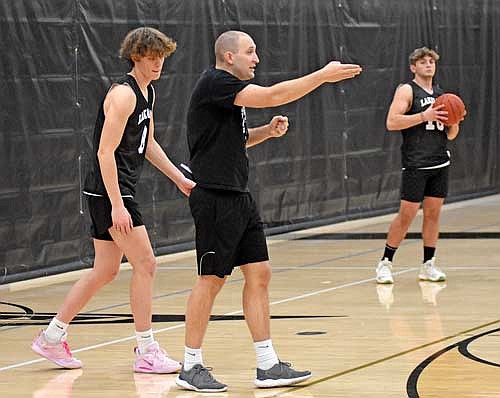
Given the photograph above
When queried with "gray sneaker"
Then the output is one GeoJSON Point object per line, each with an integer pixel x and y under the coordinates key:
{"type": "Point", "coordinates": [199, 379]}
{"type": "Point", "coordinates": [280, 374]}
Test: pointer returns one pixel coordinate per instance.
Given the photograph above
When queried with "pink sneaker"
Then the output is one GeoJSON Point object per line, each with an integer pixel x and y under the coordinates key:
{"type": "Point", "coordinates": [154, 360]}
{"type": "Point", "coordinates": [58, 353]}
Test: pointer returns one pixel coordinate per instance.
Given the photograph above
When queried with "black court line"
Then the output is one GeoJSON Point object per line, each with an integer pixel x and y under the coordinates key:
{"type": "Point", "coordinates": [231, 281]}
{"type": "Point", "coordinates": [376, 362]}
{"type": "Point", "coordinates": [28, 317]}
{"type": "Point", "coordinates": [409, 235]}
{"type": "Point", "coordinates": [236, 280]}
{"type": "Point", "coordinates": [463, 348]}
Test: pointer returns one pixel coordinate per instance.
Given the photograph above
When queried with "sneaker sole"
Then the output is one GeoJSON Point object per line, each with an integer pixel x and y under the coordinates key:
{"type": "Point", "coordinates": [269, 383]}
{"type": "Point", "coordinates": [184, 384]}
{"type": "Point", "coordinates": [151, 371]}
{"type": "Point", "coordinates": [384, 282]}
{"type": "Point", "coordinates": [423, 278]}
{"type": "Point", "coordinates": [432, 280]}
{"type": "Point", "coordinates": [62, 365]}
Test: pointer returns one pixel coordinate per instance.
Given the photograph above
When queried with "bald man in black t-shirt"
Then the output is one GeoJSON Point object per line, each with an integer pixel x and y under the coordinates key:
{"type": "Point", "coordinates": [229, 230]}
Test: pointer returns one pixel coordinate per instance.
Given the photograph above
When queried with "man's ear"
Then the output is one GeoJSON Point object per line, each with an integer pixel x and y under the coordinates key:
{"type": "Point", "coordinates": [135, 58]}
{"type": "Point", "coordinates": [229, 57]}
{"type": "Point", "coordinates": [413, 68]}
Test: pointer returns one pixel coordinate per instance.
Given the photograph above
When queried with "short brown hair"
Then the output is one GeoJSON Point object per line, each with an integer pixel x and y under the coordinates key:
{"type": "Point", "coordinates": [144, 42]}
{"type": "Point", "coordinates": [227, 41]}
{"type": "Point", "coordinates": [422, 52]}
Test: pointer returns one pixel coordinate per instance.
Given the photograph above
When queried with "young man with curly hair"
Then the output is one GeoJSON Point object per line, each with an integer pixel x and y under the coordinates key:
{"type": "Point", "coordinates": [123, 139]}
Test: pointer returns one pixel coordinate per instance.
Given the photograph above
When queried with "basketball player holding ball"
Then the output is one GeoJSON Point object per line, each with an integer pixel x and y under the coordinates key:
{"type": "Point", "coordinates": [425, 159]}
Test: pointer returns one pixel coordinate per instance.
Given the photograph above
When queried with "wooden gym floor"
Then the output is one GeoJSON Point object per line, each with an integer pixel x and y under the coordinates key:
{"type": "Point", "coordinates": [360, 339]}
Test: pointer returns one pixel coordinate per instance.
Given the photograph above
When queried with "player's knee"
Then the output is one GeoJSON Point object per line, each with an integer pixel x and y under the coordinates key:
{"type": "Point", "coordinates": [432, 214]}
{"type": "Point", "coordinates": [110, 275]}
{"type": "Point", "coordinates": [261, 279]}
{"type": "Point", "coordinates": [103, 277]}
{"type": "Point", "coordinates": [216, 288]}
{"type": "Point", "coordinates": [406, 217]}
{"type": "Point", "coordinates": [210, 284]}
{"type": "Point", "coordinates": [265, 276]}
{"type": "Point", "coordinates": [146, 266]}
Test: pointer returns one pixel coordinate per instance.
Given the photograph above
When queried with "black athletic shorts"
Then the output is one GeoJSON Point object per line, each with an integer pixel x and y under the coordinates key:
{"type": "Point", "coordinates": [229, 230]}
{"type": "Point", "coordinates": [100, 214]}
{"type": "Point", "coordinates": [418, 183]}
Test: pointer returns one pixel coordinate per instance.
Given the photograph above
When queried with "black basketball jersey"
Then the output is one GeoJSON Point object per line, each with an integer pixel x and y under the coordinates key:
{"type": "Point", "coordinates": [424, 145]}
{"type": "Point", "coordinates": [131, 152]}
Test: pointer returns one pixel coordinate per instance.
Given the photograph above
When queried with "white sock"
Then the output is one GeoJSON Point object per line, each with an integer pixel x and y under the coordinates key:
{"type": "Point", "coordinates": [144, 339]}
{"type": "Point", "coordinates": [192, 356]}
{"type": "Point", "coordinates": [55, 331]}
{"type": "Point", "coordinates": [266, 356]}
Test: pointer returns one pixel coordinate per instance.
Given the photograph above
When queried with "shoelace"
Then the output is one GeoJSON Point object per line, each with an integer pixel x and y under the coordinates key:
{"type": "Point", "coordinates": [436, 269]}
{"type": "Point", "coordinates": [386, 269]}
{"type": "Point", "coordinates": [205, 370]}
{"type": "Point", "coordinates": [159, 353]}
{"type": "Point", "coordinates": [431, 267]}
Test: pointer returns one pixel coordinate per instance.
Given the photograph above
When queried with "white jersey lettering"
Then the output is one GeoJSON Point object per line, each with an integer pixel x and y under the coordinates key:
{"type": "Point", "coordinates": [426, 101]}
{"type": "Point", "coordinates": [145, 114]}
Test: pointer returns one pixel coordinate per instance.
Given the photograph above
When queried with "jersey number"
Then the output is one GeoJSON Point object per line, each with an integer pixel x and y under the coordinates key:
{"type": "Point", "coordinates": [143, 140]}
{"type": "Point", "coordinates": [431, 126]}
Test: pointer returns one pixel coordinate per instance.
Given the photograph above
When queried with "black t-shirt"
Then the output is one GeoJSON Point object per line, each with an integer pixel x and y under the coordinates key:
{"type": "Point", "coordinates": [217, 132]}
{"type": "Point", "coordinates": [131, 151]}
{"type": "Point", "coordinates": [424, 145]}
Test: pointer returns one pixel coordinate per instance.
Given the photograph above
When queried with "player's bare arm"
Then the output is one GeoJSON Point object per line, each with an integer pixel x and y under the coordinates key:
{"type": "Point", "coordinates": [455, 128]}
{"type": "Point", "coordinates": [118, 106]}
{"type": "Point", "coordinates": [277, 127]}
{"type": "Point", "coordinates": [158, 158]}
{"type": "Point", "coordinates": [254, 96]}
{"type": "Point", "coordinates": [453, 131]}
{"type": "Point", "coordinates": [401, 103]}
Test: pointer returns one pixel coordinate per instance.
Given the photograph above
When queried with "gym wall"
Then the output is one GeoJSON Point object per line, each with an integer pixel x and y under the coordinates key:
{"type": "Point", "coordinates": [337, 161]}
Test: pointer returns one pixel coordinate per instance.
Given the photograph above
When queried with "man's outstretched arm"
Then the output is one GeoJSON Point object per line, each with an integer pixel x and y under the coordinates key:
{"type": "Point", "coordinates": [254, 96]}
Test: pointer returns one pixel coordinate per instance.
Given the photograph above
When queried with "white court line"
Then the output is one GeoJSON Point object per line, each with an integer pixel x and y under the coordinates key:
{"type": "Point", "coordinates": [336, 288]}
{"type": "Point", "coordinates": [350, 267]}
{"type": "Point", "coordinates": [299, 297]}
{"type": "Point", "coordinates": [284, 237]}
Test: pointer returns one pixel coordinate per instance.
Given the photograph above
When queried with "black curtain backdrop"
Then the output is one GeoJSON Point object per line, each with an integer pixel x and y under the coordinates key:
{"type": "Point", "coordinates": [337, 161]}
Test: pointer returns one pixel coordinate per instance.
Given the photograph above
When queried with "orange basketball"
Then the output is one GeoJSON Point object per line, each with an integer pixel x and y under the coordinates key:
{"type": "Point", "coordinates": [454, 105]}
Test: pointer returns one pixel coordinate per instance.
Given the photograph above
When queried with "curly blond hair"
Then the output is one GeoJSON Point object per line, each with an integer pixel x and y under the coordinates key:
{"type": "Point", "coordinates": [420, 53]}
{"type": "Point", "coordinates": [144, 42]}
